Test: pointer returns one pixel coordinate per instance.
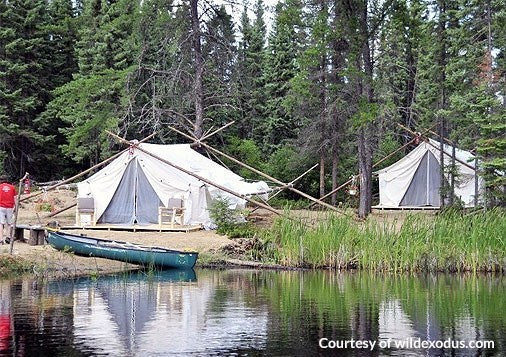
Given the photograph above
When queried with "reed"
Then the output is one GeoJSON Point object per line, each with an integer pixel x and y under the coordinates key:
{"type": "Point", "coordinates": [448, 242]}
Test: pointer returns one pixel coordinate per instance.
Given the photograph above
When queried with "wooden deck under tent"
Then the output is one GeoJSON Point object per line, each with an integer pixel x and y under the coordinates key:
{"type": "Point", "coordinates": [138, 228]}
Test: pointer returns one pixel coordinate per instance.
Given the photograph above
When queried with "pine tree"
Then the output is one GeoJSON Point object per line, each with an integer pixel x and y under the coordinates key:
{"type": "Point", "coordinates": [24, 83]}
{"type": "Point", "coordinates": [160, 88]}
{"type": "Point", "coordinates": [475, 111]}
{"type": "Point", "coordinates": [283, 50]}
{"type": "Point", "coordinates": [219, 53]}
{"type": "Point", "coordinates": [94, 100]}
{"type": "Point", "coordinates": [250, 75]}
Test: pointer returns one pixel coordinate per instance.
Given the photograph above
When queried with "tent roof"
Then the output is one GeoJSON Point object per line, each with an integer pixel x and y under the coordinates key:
{"type": "Point", "coordinates": [462, 155]}
{"type": "Point", "coordinates": [395, 179]}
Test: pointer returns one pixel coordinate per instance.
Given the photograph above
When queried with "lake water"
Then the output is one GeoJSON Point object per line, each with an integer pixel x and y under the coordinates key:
{"type": "Point", "coordinates": [245, 312]}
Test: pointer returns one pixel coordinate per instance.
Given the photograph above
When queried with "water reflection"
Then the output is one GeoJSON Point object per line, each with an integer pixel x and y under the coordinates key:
{"type": "Point", "coordinates": [247, 312]}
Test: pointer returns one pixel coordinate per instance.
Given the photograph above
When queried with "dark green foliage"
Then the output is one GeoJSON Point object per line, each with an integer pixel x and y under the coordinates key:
{"type": "Point", "coordinates": [303, 89]}
{"type": "Point", "coordinates": [24, 80]}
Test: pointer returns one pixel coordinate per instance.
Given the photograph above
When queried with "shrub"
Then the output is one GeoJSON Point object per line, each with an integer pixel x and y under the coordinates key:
{"type": "Point", "coordinates": [229, 221]}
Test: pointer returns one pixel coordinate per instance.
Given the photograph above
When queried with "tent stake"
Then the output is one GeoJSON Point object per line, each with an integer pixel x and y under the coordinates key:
{"type": "Point", "coordinates": [203, 179]}
{"type": "Point", "coordinates": [85, 171]}
{"type": "Point", "coordinates": [303, 194]}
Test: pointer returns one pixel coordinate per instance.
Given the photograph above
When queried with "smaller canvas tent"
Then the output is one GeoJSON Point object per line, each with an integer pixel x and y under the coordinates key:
{"type": "Point", "coordinates": [414, 180]}
{"type": "Point", "coordinates": [131, 188]}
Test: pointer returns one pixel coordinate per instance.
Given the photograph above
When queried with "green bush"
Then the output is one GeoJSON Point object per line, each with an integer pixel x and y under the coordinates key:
{"type": "Point", "coordinates": [10, 265]}
{"type": "Point", "coordinates": [228, 220]}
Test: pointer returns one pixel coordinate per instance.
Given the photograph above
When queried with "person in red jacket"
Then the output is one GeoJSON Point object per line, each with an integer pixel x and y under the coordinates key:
{"type": "Point", "coordinates": [7, 201]}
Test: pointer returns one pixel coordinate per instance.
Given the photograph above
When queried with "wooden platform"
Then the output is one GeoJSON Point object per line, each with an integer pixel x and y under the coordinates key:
{"type": "Point", "coordinates": [137, 227]}
{"type": "Point", "coordinates": [406, 208]}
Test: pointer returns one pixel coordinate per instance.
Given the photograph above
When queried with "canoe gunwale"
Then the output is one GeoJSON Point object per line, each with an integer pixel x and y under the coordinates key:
{"type": "Point", "coordinates": [122, 244]}
{"type": "Point", "coordinates": [122, 251]}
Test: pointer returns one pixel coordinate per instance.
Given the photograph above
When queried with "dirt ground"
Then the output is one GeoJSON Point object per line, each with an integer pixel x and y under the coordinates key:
{"type": "Point", "coordinates": [36, 211]}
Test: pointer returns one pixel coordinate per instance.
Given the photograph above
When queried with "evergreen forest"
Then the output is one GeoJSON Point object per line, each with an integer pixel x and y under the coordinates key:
{"type": "Point", "coordinates": [339, 83]}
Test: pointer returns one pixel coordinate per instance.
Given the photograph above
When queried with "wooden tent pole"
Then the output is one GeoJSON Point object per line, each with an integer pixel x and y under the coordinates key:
{"type": "Point", "coordinates": [434, 146]}
{"type": "Point", "coordinates": [85, 171]}
{"type": "Point", "coordinates": [61, 210]}
{"type": "Point", "coordinates": [203, 179]}
{"type": "Point", "coordinates": [303, 194]}
{"type": "Point", "coordinates": [216, 131]}
{"type": "Point", "coordinates": [293, 181]}
{"type": "Point", "coordinates": [12, 234]}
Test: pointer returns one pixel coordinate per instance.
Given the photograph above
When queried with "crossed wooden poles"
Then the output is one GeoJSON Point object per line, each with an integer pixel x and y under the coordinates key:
{"type": "Point", "coordinates": [283, 185]}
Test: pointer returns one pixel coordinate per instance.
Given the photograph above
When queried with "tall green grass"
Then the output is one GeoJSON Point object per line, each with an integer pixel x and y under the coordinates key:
{"type": "Point", "coordinates": [448, 242]}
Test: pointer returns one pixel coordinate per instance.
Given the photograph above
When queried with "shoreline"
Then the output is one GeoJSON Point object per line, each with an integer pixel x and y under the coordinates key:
{"type": "Point", "coordinates": [66, 265]}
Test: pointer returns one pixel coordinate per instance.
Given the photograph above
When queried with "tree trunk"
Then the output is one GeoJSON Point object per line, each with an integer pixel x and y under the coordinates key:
{"type": "Point", "coordinates": [323, 113]}
{"type": "Point", "coordinates": [364, 173]}
{"type": "Point", "coordinates": [322, 174]}
{"type": "Point", "coordinates": [335, 161]}
{"type": "Point", "coordinates": [199, 70]}
{"type": "Point", "coordinates": [442, 95]}
{"type": "Point", "coordinates": [366, 132]}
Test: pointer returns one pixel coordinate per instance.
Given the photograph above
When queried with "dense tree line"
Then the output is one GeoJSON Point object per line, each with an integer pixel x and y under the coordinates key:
{"type": "Point", "coordinates": [326, 83]}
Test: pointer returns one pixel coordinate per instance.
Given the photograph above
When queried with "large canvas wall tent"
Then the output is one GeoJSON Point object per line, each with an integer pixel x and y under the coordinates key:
{"type": "Point", "coordinates": [132, 187]}
{"type": "Point", "coordinates": [414, 181]}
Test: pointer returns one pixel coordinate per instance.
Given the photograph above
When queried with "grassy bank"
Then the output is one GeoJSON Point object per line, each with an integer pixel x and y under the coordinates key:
{"type": "Point", "coordinates": [14, 266]}
{"type": "Point", "coordinates": [448, 242]}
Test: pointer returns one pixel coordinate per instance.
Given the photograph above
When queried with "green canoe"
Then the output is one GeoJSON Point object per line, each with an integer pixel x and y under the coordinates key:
{"type": "Point", "coordinates": [147, 256]}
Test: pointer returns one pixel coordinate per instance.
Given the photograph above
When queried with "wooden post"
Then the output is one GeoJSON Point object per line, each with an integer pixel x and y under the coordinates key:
{"type": "Point", "coordinates": [16, 209]}
{"type": "Point", "coordinates": [303, 194]}
{"type": "Point", "coordinates": [442, 185]}
{"type": "Point", "coordinates": [203, 179]}
{"type": "Point", "coordinates": [85, 171]}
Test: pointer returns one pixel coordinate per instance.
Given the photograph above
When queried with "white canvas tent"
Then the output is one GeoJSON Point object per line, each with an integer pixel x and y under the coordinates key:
{"type": "Point", "coordinates": [131, 188]}
{"type": "Point", "coordinates": [414, 180]}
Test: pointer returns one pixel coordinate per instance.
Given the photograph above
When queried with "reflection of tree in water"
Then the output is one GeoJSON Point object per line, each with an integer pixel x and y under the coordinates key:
{"type": "Point", "coordinates": [308, 306]}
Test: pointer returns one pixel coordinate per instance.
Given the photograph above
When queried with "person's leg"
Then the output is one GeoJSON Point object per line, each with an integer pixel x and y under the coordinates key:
{"type": "Point", "coordinates": [3, 221]}
{"type": "Point", "coordinates": [9, 218]}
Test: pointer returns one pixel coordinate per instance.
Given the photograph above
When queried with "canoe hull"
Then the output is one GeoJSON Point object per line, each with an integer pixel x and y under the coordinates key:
{"type": "Point", "coordinates": [122, 251]}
